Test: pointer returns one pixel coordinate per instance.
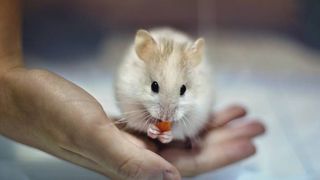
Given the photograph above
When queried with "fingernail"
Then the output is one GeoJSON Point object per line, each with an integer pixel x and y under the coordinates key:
{"type": "Point", "coordinates": [168, 175]}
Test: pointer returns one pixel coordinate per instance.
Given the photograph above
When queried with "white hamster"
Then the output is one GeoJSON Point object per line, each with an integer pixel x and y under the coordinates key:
{"type": "Point", "coordinates": [165, 76]}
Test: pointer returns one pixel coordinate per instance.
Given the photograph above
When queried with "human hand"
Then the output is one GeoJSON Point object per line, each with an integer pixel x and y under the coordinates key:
{"type": "Point", "coordinates": [219, 145]}
{"type": "Point", "coordinates": [223, 142]}
{"type": "Point", "coordinates": [45, 111]}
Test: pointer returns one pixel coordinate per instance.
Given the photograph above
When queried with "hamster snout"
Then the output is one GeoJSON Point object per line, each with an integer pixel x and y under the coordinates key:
{"type": "Point", "coordinates": [165, 111]}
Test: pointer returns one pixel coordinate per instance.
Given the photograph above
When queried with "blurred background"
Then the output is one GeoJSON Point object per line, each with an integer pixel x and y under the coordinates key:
{"type": "Point", "coordinates": [265, 53]}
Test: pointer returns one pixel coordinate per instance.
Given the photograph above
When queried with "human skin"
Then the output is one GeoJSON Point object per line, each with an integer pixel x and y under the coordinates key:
{"type": "Point", "coordinates": [40, 109]}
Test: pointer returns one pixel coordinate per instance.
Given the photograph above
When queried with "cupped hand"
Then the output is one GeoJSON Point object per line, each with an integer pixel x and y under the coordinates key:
{"type": "Point", "coordinates": [223, 141]}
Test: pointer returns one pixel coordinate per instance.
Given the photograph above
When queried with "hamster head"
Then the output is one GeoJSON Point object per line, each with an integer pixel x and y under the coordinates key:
{"type": "Point", "coordinates": [170, 67]}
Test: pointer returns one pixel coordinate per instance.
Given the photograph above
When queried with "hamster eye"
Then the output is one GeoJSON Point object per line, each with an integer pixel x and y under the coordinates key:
{"type": "Point", "coordinates": [155, 87]}
{"type": "Point", "coordinates": [182, 90]}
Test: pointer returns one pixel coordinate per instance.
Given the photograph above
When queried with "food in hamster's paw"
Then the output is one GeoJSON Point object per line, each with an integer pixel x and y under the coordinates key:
{"type": "Point", "coordinates": [164, 125]}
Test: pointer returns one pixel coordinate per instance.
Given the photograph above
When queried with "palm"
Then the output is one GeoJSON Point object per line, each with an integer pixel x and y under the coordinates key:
{"type": "Point", "coordinates": [221, 144]}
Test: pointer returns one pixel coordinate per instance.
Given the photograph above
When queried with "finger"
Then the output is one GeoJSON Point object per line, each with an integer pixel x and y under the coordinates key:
{"type": "Point", "coordinates": [223, 117]}
{"type": "Point", "coordinates": [147, 165]}
{"type": "Point", "coordinates": [246, 130]}
{"type": "Point", "coordinates": [212, 157]}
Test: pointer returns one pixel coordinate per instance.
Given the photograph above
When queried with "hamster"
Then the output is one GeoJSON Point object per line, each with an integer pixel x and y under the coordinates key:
{"type": "Point", "coordinates": [165, 76]}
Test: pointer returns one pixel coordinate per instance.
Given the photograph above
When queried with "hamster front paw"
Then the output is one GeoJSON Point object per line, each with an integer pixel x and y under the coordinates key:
{"type": "Point", "coordinates": [153, 131]}
{"type": "Point", "coordinates": [166, 137]}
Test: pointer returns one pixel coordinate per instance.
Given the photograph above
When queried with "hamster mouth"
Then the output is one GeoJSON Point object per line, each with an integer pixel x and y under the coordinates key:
{"type": "Point", "coordinates": [160, 120]}
{"type": "Point", "coordinates": [154, 119]}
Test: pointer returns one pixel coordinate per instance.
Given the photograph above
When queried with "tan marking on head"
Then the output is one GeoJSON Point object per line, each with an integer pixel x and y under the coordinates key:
{"type": "Point", "coordinates": [170, 62]}
{"type": "Point", "coordinates": [166, 47]}
{"type": "Point", "coordinates": [171, 51]}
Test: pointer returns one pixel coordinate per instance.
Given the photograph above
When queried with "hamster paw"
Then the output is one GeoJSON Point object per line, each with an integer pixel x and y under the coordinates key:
{"type": "Point", "coordinates": [153, 131]}
{"type": "Point", "coordinates": [165, 137]}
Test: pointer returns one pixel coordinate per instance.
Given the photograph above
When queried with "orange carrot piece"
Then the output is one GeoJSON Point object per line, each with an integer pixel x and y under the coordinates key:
{"type": "Point", "coordinates": [164, 125]}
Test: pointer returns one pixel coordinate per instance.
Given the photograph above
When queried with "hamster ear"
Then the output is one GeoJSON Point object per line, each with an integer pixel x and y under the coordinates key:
{"type": "Point", "coordinates": [195, 53]}
{"type": "Point", "coordinates": [145, 45]}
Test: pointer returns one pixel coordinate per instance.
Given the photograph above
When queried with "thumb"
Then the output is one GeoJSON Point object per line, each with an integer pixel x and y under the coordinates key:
{"type": "Point", "coordinates": [123, 159]}
{"type": "Point", "coordinates": [144, 164]}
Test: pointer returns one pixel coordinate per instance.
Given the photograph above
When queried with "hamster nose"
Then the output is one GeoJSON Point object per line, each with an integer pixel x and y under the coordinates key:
{"type": "Point", "coordinates": [168, 112]}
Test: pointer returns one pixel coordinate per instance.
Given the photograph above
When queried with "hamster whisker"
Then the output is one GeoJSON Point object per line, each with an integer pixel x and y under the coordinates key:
{"type": "Point", "coordinates": [147, 119]}
{"type": "Point", "coordinates": [184, 123]}
{"type": "Point", "coordinates": [187, 120]}
{"type": "Point", "coordinates": [119, 122]}
{"type": "Point", "coordinates": [137, 113]}
{"type": "Point", "coordinates": [134, 111]}
{"type": "Point", "coordinates": [125, 118]}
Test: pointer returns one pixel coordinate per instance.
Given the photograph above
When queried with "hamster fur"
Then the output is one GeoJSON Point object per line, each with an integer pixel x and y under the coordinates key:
{"type": "Point", "coordinates": [172, 59]}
